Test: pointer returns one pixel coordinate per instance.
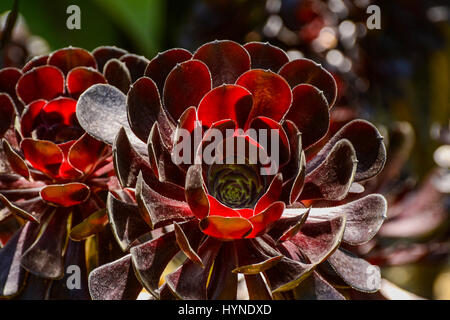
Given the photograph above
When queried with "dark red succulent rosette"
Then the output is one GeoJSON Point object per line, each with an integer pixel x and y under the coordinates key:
{"type": "Point", "coordinates": [55, 177]}
{"type": "Point", "coordinates": [230, 219]}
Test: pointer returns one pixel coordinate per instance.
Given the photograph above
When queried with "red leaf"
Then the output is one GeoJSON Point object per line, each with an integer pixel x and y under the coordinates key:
{"type": "Point", "coordinates": [66, 195]}
{"type": "Point", "coordinates": [272, 95]}
{"type": "Point", "coordinates": [44, 82]}
{"type": "Point", "coordinates": [81, 78]}
{"type": "Point", "coordinates": [225, 102]}
{"type": "Point", "coordinates": [44, 156]}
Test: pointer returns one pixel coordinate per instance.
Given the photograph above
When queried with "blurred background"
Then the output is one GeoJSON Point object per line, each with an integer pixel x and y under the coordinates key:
{"type": "Point", "coordinates": [397, 76]}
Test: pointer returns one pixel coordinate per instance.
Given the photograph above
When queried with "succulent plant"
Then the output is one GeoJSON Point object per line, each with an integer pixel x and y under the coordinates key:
{"type": "Point", "coordinates": [231, 218]}
{"type": "Point", "coordinates": [54, 177]}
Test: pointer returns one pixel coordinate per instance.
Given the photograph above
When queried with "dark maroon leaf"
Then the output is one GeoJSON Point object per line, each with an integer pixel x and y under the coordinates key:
{"type": "Point", "coordinates": [356, 272]}
{"type": "Point", "coordinates": [188, 238]}
{"type": "Point", "coordinates": [185, 86]}
{"type": "Point", "coordinates": [45, 257]}
{"type": "Point", "coordinates": [180, 281]}
{"type": "Point", "coordinates": [266, 56]}
{"type": "Point", "coordinates": [117, 75]}
{"type": "Point", "coordinates": [332, 179]}
{"type": "Point", "coordinates": [12, 275]}
{"type": "Point", "coordinates": [305, 71]}
{"type": "Point", "coordinates": [144, 109]}
{"type": "Point", "coordinates": [368, 145]}
{"type": "Point", "coordinates": [254, 256]}
{"type": "Point", "coordinates": [15, 161]}
{"type": "Point", "coordinates": [317, 288]}
{"type": "Point", "coordinates": [160, 66]}
{"type": "Point", "coordinates": [256, 287]}
{"type": "Point", "coordinates": [126, 222]}
{"type": "Point", "coordinates": [35, 62]}
{"type": "Point", "coordinates": [318, 239]}
{"type": "Point", "coordinates": [46, 82]}
{"type": "Point", "coordinates": [105, 53]}
{"type": "Point", "coordinates": [223, 283]}
{"type": "Point", "coordinates": [364, 217]}
{"type": "Point", "coordinates": [225, 102]}
{"type": "Point", "coordinates": [135, 64]}
{"type": "Point", "coordinates": [7, 113]}
{"type": "Point", "coordinates": [309, 112]}
{"type": "Point", "coordinates": [127, 162]}
{"type": "Point", "coordinates": [226, 60]}
{"type": "Point", "coordinates": [196, 195]}
{"type": "Point", "coordinates": [151, 258]}
{"type": "Point", "coordinates": [160, 209]}
{"type": "Point", "coordinates": [114, 281]}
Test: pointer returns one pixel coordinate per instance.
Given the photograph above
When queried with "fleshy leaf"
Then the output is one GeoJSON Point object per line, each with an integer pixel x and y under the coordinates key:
{"type": "Point", "coordinates": [69, 58]}
{"type": "Point", "coordinates": [226, 60]}
{"type": "Point", "coordinates": [305, 71]}
{"type": "Point", "coordinates": [364, 217]}
{"type": "Point", "coordinates": [263, 221]}
{"type": "Point", "coordinates": [15, 161]}
{"type": "Point", "coordinates": [35, 62]}
{"type": "Point", "coordinates": [289, 224]}
{"type": "Point", "coordinates": [151, 258]}
{"type": "Point", "coordinates": [8, 80]}
{"type": "Point", "coordinates": [105, 53]}
{"type": "Point", "coordinates": [272, 194]}
{"type": "Point", "coordinates": [81, 78]}
{"type": "Point", "coordinates": [266, 56]}
{"type": "Point", "coordinates": [31, 117]}
{"type": "Point", "coordinates": [272, 95]}
{"type": "Point", "coordinates": [180, 281]}
{"type": "Point", "coordinates": [117, 74]}
{"type": "Point", "coordinates": [86, 153]}
{"type": "Point", "coordinates": [31, 210]}
{"type": "Point", "coordinates": [159, 209]}
{"type": "Point", "coordinates": [226, 227]}
{"type": "Point", "coordinates": [318, 239]}
{"type": "Point", "coordinates": [45, 257]}
{"type": "Point", "coordinates": [12, 275]}
{"type": "Point", "coordinates": [144, 109]}
{"type": "Point", "coordinates": [356, 272]}
{"type": "Point", "coordinates": [368, 145]}
{"type": "Point", "coordinates": [7, 113]}
{"type": "Point", "coordinates": [255, 256]}
{"type": "Point", "coordinates": [223, 284]}
{"type": "Point", "coordinates": [44, 156]}
{"type": "Point", "coordinates": [160, 66]}
{"type": "Point", "coordinates": [188, 245]}
{"type": "Point", "coordinates": [66, 195]}
{"type": "Point", "coordinates": [332, 179]}
{"type": "Point", "coordinates": [127, 162]}
{"type": "Point", "coordinates": [59, 111]}
{"type": "Point", "coordinates": [196, 195]}
{"type": "Point", "coordinates": [225, 102]}
{"type": "Point", "coordinates": [315, 287]}
{"type": "Point", "coordinates": [309, 112]}
{"type": "Point", "coordinates": [44, 82]}
{"type": "Point", "coordinates": [114, 281]}
{"type": "Point", "coordinates": [185, 86]}
{"type": "Point", "coordinates": [93, 224]}
{"type": "Point", "coordinates": [101, 111]}
{"type": "Point", "coordinates": [135, 64]}
{"type": "Point", "coordinates": [126, 222]}
{"type": "Point", "coordinates": [256, 287]}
